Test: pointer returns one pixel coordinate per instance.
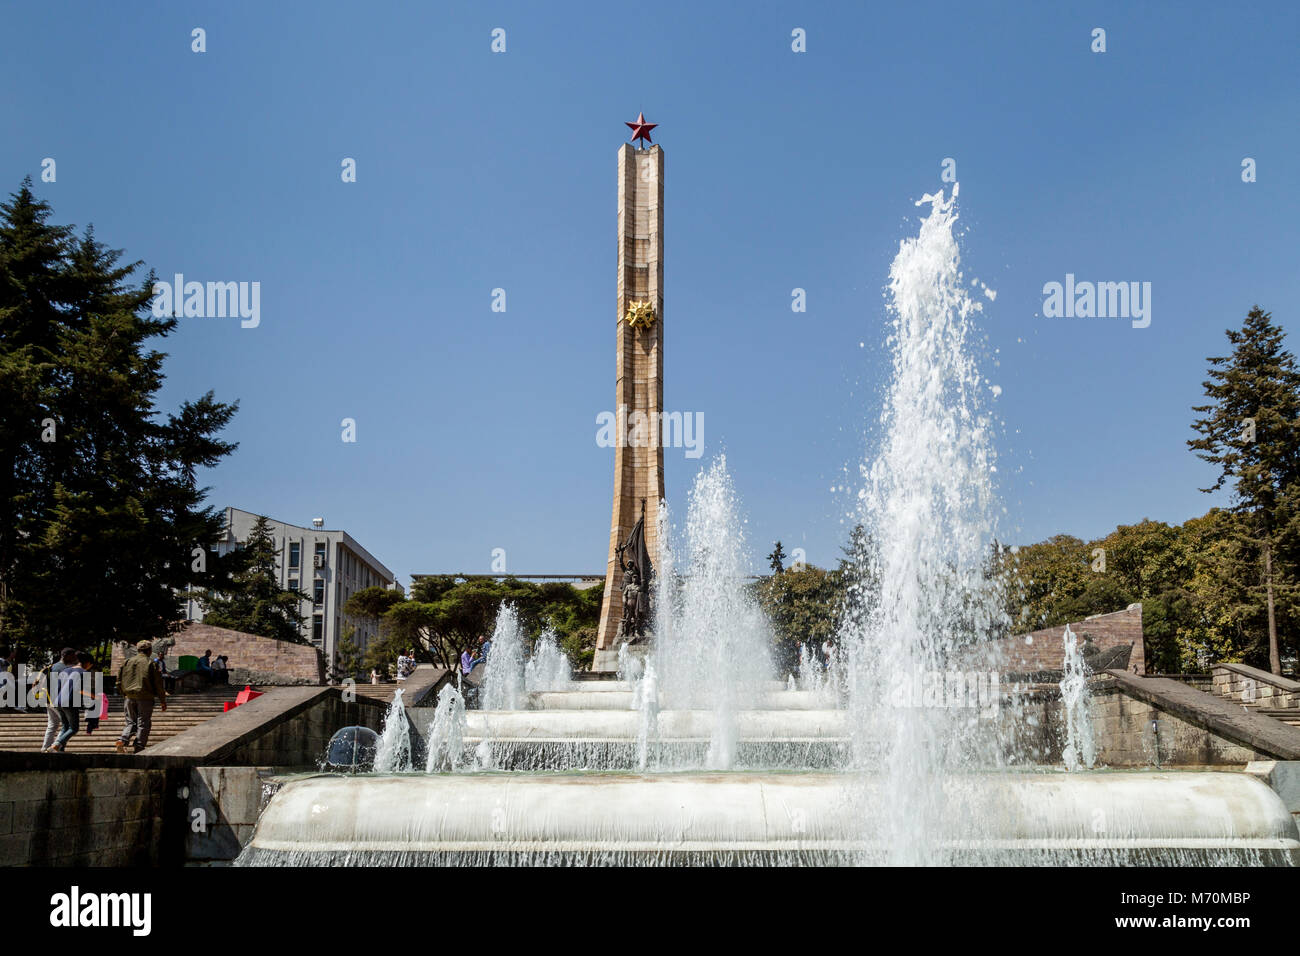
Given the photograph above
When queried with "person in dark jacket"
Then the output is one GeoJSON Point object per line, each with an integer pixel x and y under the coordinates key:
{"type": "Point", "coordinates": [140, 683]}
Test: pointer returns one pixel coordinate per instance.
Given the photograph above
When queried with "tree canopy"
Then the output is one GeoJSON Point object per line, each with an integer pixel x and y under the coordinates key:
{"type": "Point", "coordinates": [104, 524]}
{"type": "Point", "coordinates": [445, 615]}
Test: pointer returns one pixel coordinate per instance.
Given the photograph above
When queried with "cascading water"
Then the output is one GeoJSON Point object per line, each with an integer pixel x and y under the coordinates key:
{"type": "Point", "coordinates": [446, 736]}
{"type": "Point", "coordinates": [548, 668]}
{"type": "Point", "coordinates": [922, 591]}
{"type": "Point", "coordinates": [712, 642]}
{"type": "Point", "coordinates": [1080, 747]}
{"type": "Point", "coordinates": [503, 672]}
{"type": "Point", "coordinates": [394, 752]}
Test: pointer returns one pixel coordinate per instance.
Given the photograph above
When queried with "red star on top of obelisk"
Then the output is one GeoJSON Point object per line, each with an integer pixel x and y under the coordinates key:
{"type": "Point", "coordinates": [641, 129]}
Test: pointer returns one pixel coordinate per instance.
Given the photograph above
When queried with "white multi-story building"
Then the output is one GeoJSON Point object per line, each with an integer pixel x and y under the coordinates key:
{"type": "Point", "coordinates": [328, 566]}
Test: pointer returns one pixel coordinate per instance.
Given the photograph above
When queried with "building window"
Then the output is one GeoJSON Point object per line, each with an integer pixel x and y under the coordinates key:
{"type": "Point", "coordinates": [317, 629]}
{"type": "Point", "coordinates": [320, 554]}
{"type": "Point", "coordinates": [293, 584]}
{"type": "Point", "coordinates": [295, 555]}
{"type": "Point", "coordinates": [318, 592]}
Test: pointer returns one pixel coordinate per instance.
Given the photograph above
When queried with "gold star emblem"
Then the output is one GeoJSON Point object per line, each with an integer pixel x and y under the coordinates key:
{"type": "Point", "coordinates": [640, 315]}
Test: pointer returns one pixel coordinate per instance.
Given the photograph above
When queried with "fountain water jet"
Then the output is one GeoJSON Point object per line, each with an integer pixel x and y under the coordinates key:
{"type": "Point", "coordinates": [1080, 746]}
{"type": "Point", "coordinates": [548, 668]}
{"type": "Point", "coordinates": [394, 752]}
{"type": "Point", "coordinates": [926, 505]}
{"type": "Point", "coordinates": [503, 671]}
{"type": "Point", "coordinates": [711, 639]}
{"type": "Point", "coordinates": [646, 704]}
{"type": "Point", "coordinates": [446, 736]}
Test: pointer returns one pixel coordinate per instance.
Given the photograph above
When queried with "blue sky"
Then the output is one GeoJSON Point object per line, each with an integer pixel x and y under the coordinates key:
{"type": "Point", "coordinates": [476, 430]}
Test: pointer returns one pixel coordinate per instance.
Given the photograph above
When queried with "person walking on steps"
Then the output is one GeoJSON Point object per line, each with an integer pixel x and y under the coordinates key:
{"type": "Point", "coordinates": [140, 683]}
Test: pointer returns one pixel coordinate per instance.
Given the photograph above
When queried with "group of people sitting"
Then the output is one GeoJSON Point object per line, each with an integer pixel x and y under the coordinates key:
{"type": "Point", "coordinates": [469, 660]}
{"type": "Point", "coordinates": [216, 670]}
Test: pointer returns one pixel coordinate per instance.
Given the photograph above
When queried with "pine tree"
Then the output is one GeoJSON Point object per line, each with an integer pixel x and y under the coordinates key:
{"type": "Point", "coordinates": [103, 511]}
{"type": "Point", "coordinates": [776, 559]}
{"type": "Point", "coordinates": [251, 599]}
{"type": "Point", "coordinates": [347, 658]}
{"type": "Point", "coordinates": [1250, 430]}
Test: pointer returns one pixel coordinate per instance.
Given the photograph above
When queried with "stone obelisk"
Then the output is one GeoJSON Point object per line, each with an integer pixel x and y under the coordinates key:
{"type": "Point", "coordinates": [639, 372]}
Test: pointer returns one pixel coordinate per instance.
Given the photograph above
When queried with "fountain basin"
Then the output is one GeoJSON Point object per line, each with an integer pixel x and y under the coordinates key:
{"type": "Point", "coordinates": [1164, 818]}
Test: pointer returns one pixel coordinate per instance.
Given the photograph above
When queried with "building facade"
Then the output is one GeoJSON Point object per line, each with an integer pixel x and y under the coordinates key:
{"type": "Point", "coordinates": [327, 566]}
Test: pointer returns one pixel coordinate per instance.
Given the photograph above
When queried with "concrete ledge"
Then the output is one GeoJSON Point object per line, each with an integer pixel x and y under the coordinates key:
{"type": "Point", "coordinates": [421, 688]}
{"type": "Point", "coordinates": [1227, 720]}
{"type": "Point", "coordinates": [215, 740]}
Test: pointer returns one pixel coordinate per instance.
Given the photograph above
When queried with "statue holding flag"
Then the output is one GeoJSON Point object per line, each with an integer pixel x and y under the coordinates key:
{"type": "Point", "coordinates": [634, 559]}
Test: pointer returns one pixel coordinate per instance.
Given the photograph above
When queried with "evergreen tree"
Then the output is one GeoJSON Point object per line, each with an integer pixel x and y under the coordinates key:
{"type": "Point", "coordinates": [103, 514]}
{"type": "Point", "coordinates": [347, 658]}
{"type": "Point", "coordinates": [1249, 431]}
{"type": "Point", "coordinates": [776, 560]}
{"type": "Point", "coordinates": [251, 599]}
{"type": "Point", "coordinates": [856, 576]}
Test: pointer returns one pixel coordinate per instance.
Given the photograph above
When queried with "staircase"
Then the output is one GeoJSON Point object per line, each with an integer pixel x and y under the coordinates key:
{"type": "Point", "coordinates": [1258, 692]}
{"type": "Point", "coordinates": [1287, 716]}
{"type": "Point", "coordinates": [27, 731]}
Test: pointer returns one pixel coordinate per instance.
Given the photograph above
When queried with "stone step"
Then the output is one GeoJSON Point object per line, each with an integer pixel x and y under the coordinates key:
{"type": "Point", "coordinates": [1289, 716]}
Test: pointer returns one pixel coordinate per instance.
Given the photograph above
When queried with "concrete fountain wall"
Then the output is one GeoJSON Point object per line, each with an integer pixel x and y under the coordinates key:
{"type": "Point", "coordinates": [451, 819]}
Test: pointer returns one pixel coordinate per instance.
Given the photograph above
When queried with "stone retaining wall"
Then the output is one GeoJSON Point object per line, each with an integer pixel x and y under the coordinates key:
{"type": "Point", "coordinates": [224, 804]}
{"type": "Point", "coordinates": [1136, 733]}
{"type": "Point", "coordinates": [87, 817]}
